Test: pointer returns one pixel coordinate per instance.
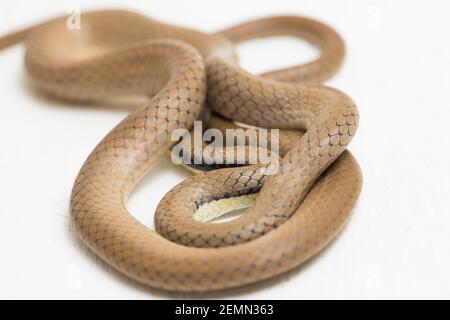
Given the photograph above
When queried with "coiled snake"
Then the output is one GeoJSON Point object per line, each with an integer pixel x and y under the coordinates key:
{"type": "Point", "coordinates": [298, 211]}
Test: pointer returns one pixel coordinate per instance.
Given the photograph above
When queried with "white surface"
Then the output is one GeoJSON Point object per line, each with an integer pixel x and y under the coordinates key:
{"type": "Point", "coordinates": [397, 244]}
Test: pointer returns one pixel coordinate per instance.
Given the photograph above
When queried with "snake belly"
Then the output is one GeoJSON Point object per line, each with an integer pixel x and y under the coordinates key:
{"type": "Point", "coordinates": [297, 212]}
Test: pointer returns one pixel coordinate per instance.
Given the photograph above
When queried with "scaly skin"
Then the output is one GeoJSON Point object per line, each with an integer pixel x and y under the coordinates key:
{"type": "Point", "coordinates": [298, 211]}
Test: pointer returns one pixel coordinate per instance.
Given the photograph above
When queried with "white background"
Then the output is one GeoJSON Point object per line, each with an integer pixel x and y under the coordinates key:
{"type": "Point", "coordinates": [397, 69]}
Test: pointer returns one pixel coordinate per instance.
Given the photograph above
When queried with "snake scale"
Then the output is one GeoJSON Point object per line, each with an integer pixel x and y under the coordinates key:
{"type": "Point", "coordinates": [298, 211]}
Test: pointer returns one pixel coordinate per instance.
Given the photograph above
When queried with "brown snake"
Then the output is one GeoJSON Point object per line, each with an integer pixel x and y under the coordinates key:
{"type": "Point", "coordinates": [298, 211]}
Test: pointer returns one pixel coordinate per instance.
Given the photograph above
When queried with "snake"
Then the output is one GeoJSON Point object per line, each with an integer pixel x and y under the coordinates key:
{"type": "Point", "coordinates": [178, 72]}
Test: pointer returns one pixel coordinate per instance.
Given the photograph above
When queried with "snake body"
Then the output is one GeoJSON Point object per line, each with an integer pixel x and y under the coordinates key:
{"type": "Point", "coordinates": [298, 211]}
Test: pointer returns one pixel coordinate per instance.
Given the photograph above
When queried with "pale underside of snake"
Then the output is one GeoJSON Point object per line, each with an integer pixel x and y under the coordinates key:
{"type": "Point", "coordinates": [297, 212]}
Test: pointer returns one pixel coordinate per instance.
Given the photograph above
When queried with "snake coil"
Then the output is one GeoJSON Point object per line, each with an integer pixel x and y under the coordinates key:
{"type": "Point", "coordinates": [298, 211]}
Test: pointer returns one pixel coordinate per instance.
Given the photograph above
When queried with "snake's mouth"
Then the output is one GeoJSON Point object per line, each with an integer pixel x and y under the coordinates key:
{"type": "Point", "coordinates": [203, 167]}
{"type": "Point", "coordinates": [241, 156]}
